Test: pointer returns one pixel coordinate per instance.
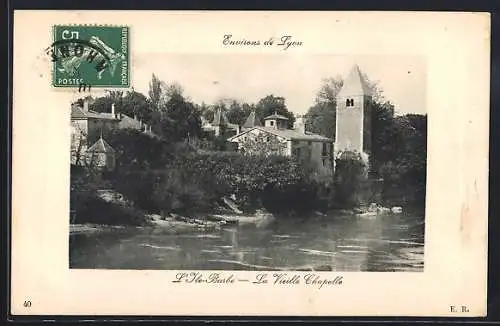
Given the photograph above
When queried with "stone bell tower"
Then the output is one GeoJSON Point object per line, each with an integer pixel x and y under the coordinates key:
{"type": "Point", "coordinates": [354, 116]}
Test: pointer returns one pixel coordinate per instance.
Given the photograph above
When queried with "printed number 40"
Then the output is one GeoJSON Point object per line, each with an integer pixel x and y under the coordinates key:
{"type": "Point", "coordinates": [27, 304]}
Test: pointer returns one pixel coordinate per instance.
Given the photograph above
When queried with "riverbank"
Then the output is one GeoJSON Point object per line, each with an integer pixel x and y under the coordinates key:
{"type": "Point", "coordinates": [336, 242]}
{"type": "Point", "coordinates": [209, 222]}
{"type": "Point", "coordinates": [93, 228]}
{"type": "Point", "coordinates": [177, 224]}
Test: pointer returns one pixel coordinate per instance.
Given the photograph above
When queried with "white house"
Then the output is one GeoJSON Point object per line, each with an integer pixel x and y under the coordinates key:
{"type": "Point", "coordinates": [276, 137]}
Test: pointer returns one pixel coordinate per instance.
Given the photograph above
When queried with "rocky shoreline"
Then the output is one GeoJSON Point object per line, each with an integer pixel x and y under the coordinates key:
{"type": "Point", "coordinates": [174, 223]}
{"type": "Point", "coordinates": [177, 224]}
{"type": "Point", "coordinates": [228, 216]}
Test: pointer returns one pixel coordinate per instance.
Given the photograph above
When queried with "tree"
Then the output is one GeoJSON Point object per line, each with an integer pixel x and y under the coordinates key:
{"type": "Point", "coordinates": [348, 182]}
{"type": "Point", "coordinates": [172, 116]}
{"type": "Point", "coordinates": [398, 145]}
{"type": "Point", "coordinates": [321, 117]}
{"type": "Point", "coordinates": [155, 92]}
{"type": "Point", "coordinates": [136, 104]}
{"type": "Point", "coordinates": [172, 90]}
{"type": "Point", "coordinates": [329, 90]}
{"type": "Point", "coordinates": [136, 151]}
{"type": "Point", "coordinates": [78, 144]}
{"type": "Point", "coordinates": [237, 112]}
{"type": "Point", "coordinates": [206, 111]}
{"type": "Point", "coordinates": [131, 103]}
{"type": "Point", "coordinates": [384, 134]}
{"type": "Point", "coordinates": [180, 121]}
{"type": "Point", "coordinates": [402, 159]}
{"type": "Point", "coordinates": [273, 104]}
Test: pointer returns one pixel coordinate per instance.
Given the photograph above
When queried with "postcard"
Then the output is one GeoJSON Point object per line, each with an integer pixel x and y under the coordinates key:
{"type": "Point", "coordinates": [226, 163]}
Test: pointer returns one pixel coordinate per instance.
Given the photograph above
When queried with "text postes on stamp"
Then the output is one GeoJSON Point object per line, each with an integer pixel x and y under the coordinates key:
{"type": "Point", "coordinates": [96, 56]}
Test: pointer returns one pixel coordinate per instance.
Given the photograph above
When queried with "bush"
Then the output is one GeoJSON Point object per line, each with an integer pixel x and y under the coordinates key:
{"type": "Point", "coordinates": [404, 184]}
{"type": "Point", "coordinates": [196, 182]}
{"type": "Point", "coordinates": [92, 209]}
{"type": "Point", "coordinates": [135, 150]}
{"type": "Point", "coordinates": [350, 183]}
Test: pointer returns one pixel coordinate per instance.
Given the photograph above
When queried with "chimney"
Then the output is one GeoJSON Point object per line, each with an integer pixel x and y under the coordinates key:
{"type": "Point", "coordinates": [113, 110]}
{"type": "Point", "coordinates": [86, 105]}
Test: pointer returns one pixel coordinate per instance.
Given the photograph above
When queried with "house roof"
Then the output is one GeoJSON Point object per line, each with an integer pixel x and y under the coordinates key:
{"type": "Point", "coordinates": [288, 134]}
{"type": "Point", "coordinates": [354, 84]}
{"type": "Point", "coordinates": [252, 120]}
{"type": "Point", "coordinates": [78, 113]}
{"type": "Point", "coordinates": [101, 146]}
{"type": "Point", "coordinates": [127, 122]}
{"type": "Point", "coordinates": [276, 116]}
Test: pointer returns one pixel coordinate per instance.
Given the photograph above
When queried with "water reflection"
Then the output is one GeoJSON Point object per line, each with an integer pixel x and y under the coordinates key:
{"type": "Point", "coordinates": [340, 243]}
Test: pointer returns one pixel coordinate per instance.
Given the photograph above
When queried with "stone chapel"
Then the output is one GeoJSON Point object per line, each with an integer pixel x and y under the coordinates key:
{"type": "Point", "coordinates": [353, 128]}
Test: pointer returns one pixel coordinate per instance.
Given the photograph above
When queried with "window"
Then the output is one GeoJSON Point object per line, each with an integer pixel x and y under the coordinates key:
{"type": "Point", "coordinates": [271, 123]}
{"type": "Point", "coordinates": [309, 143]}
{"type": "Point", "coordinates": [349, 102]}
{"type": "Point", "coordinates": [325, 151]}
{"type": "Point", "coordinates": [268, 138]}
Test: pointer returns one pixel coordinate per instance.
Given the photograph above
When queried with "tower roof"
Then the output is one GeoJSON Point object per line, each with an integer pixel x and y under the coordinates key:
{"type": "Point", "coordinates": [276, 116]}
{"type": "Point", "coordinates": [220, 118]}
{"type": "Point", "coordinates": [252, 120]}
{"type": "Point", "coordinates": [101, 146]}
{"type": "Point", "coordinates": [354, 84]}
{"type": "Point", "coordinates": [79, 113]}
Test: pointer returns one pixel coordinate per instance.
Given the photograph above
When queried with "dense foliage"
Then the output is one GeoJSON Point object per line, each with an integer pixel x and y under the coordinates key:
{"type": "Point", "coordinates": [197, 182]}
{"type": "Point", "coordinates": [237, 112]}
{"type": "Point", "coordinates": [179, 169]}
{"type": "Point", "coordinates": [399, 145]}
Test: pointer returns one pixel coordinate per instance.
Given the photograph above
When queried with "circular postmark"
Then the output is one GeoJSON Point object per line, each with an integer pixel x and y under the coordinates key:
{"type": "Point", "coordinates": [89, 56]}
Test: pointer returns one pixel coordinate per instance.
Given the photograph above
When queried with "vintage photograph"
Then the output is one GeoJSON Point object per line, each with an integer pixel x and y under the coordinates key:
{"type": "Point", "coordinates": [253, 162]}
{"type": "Point", "coordinates": [282, 163]}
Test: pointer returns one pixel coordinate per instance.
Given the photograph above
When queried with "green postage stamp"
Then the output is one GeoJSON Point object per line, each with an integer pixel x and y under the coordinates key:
{"type": "Point", "coordinates": [90, 56]}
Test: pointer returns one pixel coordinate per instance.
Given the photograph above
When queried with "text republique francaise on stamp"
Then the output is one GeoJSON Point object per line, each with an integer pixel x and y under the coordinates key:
{"type": "Point", "coordinates": [96, 56]}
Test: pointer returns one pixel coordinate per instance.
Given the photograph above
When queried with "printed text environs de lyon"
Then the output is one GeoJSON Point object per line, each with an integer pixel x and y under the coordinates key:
{"type": "Point", "coordinates": [285, 42]}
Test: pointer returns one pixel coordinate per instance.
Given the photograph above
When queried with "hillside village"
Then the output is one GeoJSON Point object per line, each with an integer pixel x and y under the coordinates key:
{"type": "Point", "coordinates": [269, 158]}
{"type": "Point", "coordinates": [276, 131]}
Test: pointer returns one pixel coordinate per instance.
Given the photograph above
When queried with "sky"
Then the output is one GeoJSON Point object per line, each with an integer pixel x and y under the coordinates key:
{"type": "Point", "coordinates": [249, 77]}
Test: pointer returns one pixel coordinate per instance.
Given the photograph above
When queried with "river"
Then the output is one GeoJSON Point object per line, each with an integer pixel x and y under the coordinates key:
{"type": "Point", "coordinates": [337, 243]}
